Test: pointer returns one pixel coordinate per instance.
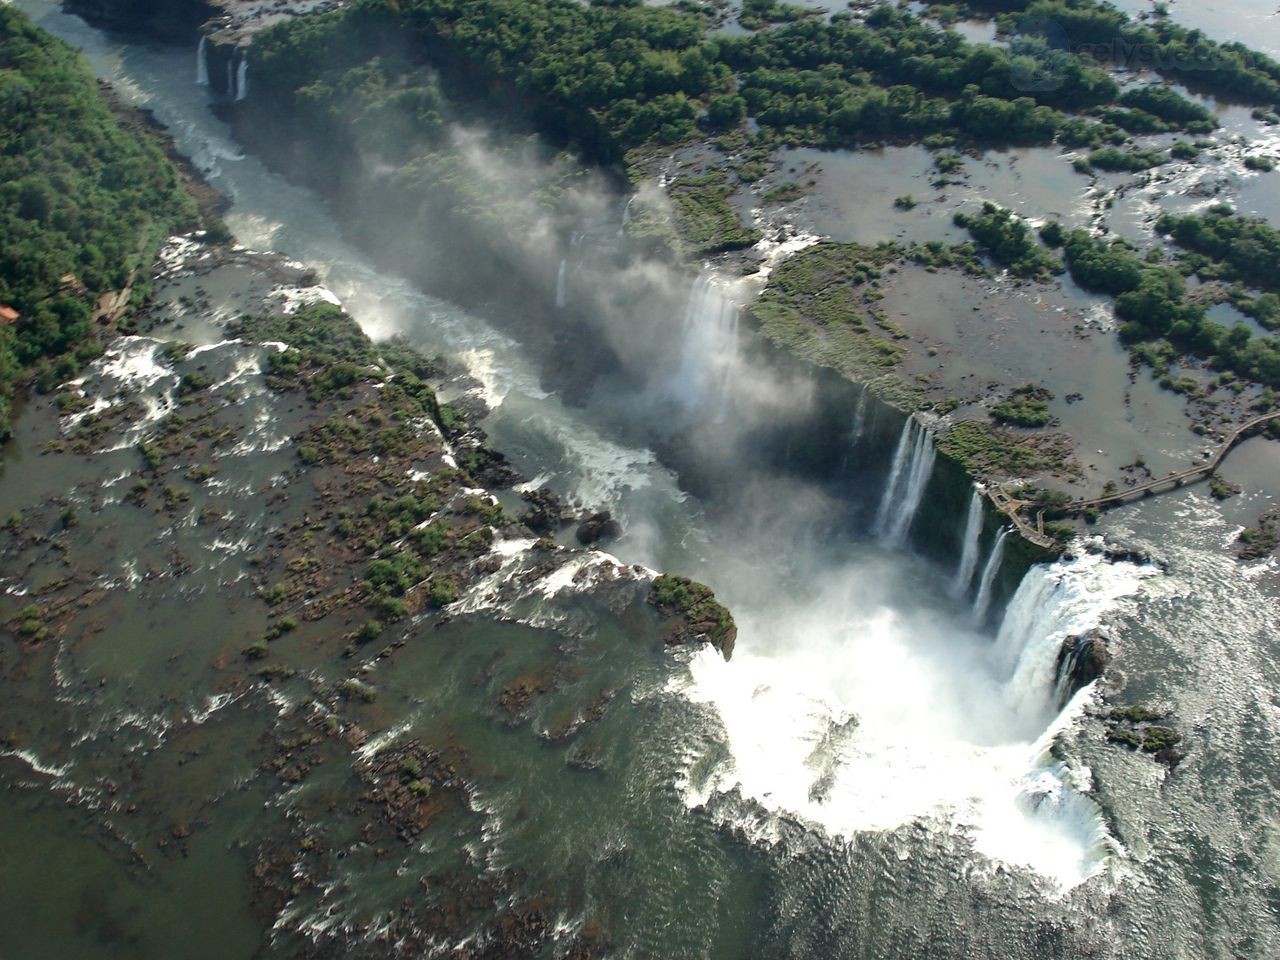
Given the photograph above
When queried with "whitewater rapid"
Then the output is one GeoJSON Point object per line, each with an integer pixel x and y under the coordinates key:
{"type": "Point", "coordinates": [850, 715]}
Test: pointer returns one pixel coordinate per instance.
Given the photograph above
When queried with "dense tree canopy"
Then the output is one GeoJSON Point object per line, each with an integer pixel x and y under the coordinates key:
{"type": "Point", "coordinates": [1105, 33]}
{"type": "Point", "coordinates": [79, 195]}
{"type": "Point", "coordinates": [613, 76]}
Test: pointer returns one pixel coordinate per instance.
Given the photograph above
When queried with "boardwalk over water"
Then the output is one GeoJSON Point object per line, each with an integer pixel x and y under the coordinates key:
{"type": "Point", "coordinates": [1012, 507]}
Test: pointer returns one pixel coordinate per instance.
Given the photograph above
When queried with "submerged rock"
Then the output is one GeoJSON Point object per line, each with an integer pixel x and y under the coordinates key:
{"type": "Point", "coordinates": [1146, 730]}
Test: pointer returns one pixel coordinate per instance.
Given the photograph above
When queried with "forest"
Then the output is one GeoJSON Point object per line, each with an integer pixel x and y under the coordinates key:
{"type": "Point", "coordinates": [1099, 30]}
{"type": "Point", "coordinates": [607, 77]}
{"type": "Point", "coordinates": [83, 202]}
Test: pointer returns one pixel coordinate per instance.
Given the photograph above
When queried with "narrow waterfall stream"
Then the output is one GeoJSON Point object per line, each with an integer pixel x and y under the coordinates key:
{"type": "Point", "coordinates": [908, 477]}
{"type": "Point", "coordinates": [982, 601]}
{"type": "Point", "coordinates": [202, 62]}
{"type": "Point", "coordinates": [969, 550]}
{"type": "Point", "coordinates": [859, 418]}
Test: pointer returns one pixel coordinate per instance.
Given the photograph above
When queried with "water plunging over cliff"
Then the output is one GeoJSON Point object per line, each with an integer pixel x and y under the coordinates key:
{"type": "Point", "coordinates": [860, 418]}
{"type": "Point", "coordinates": [908, 477]}
{"type": "Point", "coordinates": [969, 551]}
{"type": "Point", "coordinates": [709, 351]}
{"type": "Point", "coordinates": [202, 61]}
{"type": "Point", "coordinates": [560, 282]}
{"type": "Point", "coordinates": [848, 709]}
{"type": "Point", "coordinates": [982, 601]}
{"type": "Point", "coordinates": [242, 78]}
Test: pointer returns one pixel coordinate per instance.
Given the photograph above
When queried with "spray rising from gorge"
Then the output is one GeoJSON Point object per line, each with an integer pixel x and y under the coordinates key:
{"type": "Point", "coordinates": [844, 643]}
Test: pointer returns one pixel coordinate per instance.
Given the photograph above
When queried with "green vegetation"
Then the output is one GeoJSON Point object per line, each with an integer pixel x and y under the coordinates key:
{"type": "Point", "coordinates": [785, 193]}
{"type": "Point", "coordinates": [1259, 163]}
{"type": "Point", "coordinates": [1026, 406]}
{"type": "Point", "coordinates": [609, 77]}
{"type": "Point", "coordinates": [1221, 489]}
{"type": "Point", "coordinates": [704, 218]}
{"type": "Point", "coordinates": [831, 286]}
{"type": "Point", "coordinates": [1144, 729]}
{"type": "Point", "coordinates": [1159, 320]}
{"type": "Point", "coordinates": [1254, 543]}
{"type": "Point", "coordinates": [757, 13]}
{"type": "Point", "coordinates": [1224, 246]}
{"type": "Point", "coordinates": [1010, 241]}
{"type": "Point", "coordinates": [985, 449]}
{"type": "Point", "coordinates": [1111, 159]}
{"type": "Point", "coordinates": [703, 616]}
{"type": "Point", "coordinates": [83, 203]}
{"type": "Point", "coordinates": [1099, 30]}
{"type": "Point", "coordinates": [1173, 110]}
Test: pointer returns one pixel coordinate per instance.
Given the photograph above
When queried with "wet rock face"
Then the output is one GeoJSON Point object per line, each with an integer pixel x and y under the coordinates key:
{"type": "Point", "coordinates": [598, 527]}
{"type": "Point", "coordinates": [1081, 660]}
{"type": "Point", "coordinates": [547, 514]}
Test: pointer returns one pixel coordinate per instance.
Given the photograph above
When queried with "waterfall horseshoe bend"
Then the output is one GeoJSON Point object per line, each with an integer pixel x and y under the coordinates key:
{"type": "Point", "coordinates": [640, 479]}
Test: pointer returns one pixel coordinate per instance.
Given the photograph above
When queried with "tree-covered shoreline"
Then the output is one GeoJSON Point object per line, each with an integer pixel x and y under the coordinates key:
{"type": "Point", "coordinates": [83, 204]}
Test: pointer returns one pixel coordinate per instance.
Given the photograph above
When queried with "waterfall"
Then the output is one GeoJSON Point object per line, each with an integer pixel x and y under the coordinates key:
{"type": "Point", "coordinates": [895, 476]}
{"type": "Point", "coordinates": [983, 600]}
{"type": "Point", "coordinates": [560, 278]}
{"type": "Point", "coordinates": [231, 78]}
{"type": "Point", "coordinates": [709, 351]}
{"type": "Point", "coordinates": [626, 213]}
{"type": "Point", "coordinates": [908, 477]}
{"type": "Point", "coordinates": [969, 552]}
{"type": "Point", "coordinates": [860, 418]}
{"type": "Point", "coordinates": [202, 62]}
{"type": "Point", "coordinates": [242, 79]}
{"type": "Point", "coordinates": [1068, 598]}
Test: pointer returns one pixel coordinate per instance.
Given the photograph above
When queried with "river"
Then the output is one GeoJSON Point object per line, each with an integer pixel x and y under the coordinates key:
{"type": "Point", "coordinates": [875, 772]}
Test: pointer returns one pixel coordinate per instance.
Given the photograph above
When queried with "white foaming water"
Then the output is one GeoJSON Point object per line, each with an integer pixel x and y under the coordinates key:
{"type": "Point", "coordinates": [242, 79]}
{"type": "Point", "coordinates": [709, 352]}
{"type": "Point", "coordinates": [908, 477]}
{"type": "Point", "coordinates": [1069, 599]}
{"type": "Point", "coordinates": [982, 602]}
{"type": "Point", "coordinates": [969, 552]}
{"type": "Point", "coordinates": [560, 279]}
{"type": "Point", "coordinates": [297, 297]}
{"type": "Point", "coordinates": [855, 716]}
